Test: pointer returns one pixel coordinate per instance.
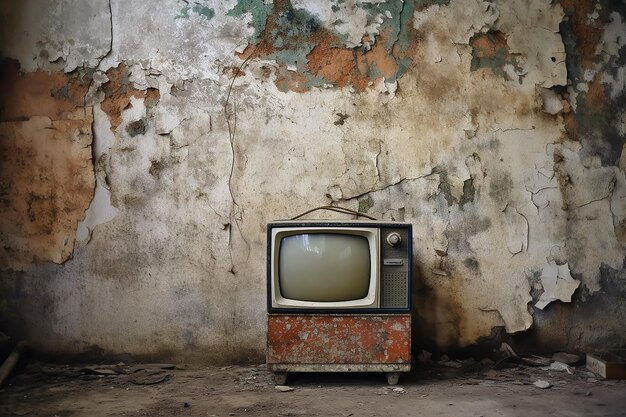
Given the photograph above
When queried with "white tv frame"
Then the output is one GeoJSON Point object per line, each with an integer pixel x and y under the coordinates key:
{"type": "Point", "coordinates": [371, 301]}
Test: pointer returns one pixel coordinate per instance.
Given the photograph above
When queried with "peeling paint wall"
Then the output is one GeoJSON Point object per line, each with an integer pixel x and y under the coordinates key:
{"type": "Point", "coordinates": [143, 153]}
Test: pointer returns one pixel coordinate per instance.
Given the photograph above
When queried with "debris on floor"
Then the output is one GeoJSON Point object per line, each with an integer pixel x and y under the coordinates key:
{"type": "Point", "coordinates": [568, 358]}
{"type": "Point", "coordinates": [144, 374]}
{"type": "Point", "coordinates": [508, 356]}
{"type": "Point", "coordinates": [11, 361]}
{"type": "Point", "coordinates": [560, 366]}
{"type": "Point", "coordinates": [445, 361]}
{"type": "Point", "coordinates": [149, 377]}
{"type": "Point", "coordinates": [540, 383]}
{"type": "Point", "coordinates": [424, 358]}
{"type": "Point", "coordinates": [53, 389]}
{"type": "Point", "coordinates": [534, 360]}
{"type": "Point", "coordinates": [98, 371]}
{"type": "Point", "coordinates": [608, 365]}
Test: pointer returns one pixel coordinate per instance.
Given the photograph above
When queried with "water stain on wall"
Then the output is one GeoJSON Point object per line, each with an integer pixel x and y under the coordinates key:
{"type": "Point", "coordinates": [46, 172]}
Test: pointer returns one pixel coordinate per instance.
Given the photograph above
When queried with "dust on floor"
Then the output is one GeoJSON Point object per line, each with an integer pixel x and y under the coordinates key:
{"type": "Point", "coordinates": [473, 390]}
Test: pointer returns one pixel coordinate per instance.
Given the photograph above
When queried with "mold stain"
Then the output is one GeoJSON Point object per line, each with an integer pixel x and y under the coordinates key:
{"type": "Point", "coordinates": [596, 114]}
{"type": "Point", "coordinates": [469, 191]}
{"type": "Point", "coordinates": [500, 187]}
{"type": "Point", "coordinates": [259, 11]}
{"type": "Point", "coordinates": [196, 8]}
{"type": "Point", "coordinates": [137, 127]}
{"type": "Point", "coordinates": [365, 203]}
{"type": "Point", "coordinates": [444, 323]}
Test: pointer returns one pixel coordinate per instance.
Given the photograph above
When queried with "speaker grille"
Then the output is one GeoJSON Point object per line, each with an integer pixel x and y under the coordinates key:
{"type": "Point", "coordinates": [394, 290]}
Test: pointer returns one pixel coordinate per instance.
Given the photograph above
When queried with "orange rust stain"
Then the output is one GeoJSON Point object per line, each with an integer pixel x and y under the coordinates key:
{"type": "Point", "coordinates": [378, 57]}
{"type": "Point", "coordinates": [486, 45]}
{"type": "Point", "coordinates": [287, 80]}
{"type": "Point", "coordinates": [46, 172]}
{"type": "Point", "coordinates": [118, 92]}
{"type": "Point", "coordinates": [342, 66]}
{"type": "Point", "coordinates": [255, 51]}
{"type": "Point", "coordinates": [333, 63]}
{"type": "Point", "coordinates": [566, 107]}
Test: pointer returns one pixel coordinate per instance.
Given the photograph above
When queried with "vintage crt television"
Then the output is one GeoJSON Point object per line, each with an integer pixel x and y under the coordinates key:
{"type": "Point", "coordinates": [332, 266]}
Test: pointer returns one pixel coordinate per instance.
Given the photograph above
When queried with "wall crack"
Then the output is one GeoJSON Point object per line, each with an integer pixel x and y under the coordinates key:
{"type": "Point", "coordinates": [403, 180]}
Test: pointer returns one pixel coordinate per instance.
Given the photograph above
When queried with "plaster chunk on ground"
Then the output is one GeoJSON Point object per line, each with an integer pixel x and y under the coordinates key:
{"type": "Point", "coordinates": [557, 283]}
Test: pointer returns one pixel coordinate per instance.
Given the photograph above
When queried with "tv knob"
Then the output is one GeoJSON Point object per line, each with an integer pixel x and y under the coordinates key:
{"type": "Point", "coordinates": [394, 238]}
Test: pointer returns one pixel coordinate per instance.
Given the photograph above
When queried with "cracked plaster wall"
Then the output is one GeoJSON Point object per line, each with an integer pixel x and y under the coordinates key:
{"type": "Point", "coordinates": [163, 136]}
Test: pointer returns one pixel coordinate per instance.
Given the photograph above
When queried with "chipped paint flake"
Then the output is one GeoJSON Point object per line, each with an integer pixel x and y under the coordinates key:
{"type": "Point", "coordinates": [557, 283]}
{"type": "Point", "coordinates": [100, 209]}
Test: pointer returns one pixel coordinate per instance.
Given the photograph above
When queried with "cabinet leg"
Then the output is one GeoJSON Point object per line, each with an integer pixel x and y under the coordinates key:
{"type": "Point", "coordinates": [280, 378]}
{"type": "Point", "coordinates": [392, 378]}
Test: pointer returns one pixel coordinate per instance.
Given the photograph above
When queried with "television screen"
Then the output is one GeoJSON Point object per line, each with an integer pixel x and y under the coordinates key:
{"type": "Point", "coordinates": [324, 267]}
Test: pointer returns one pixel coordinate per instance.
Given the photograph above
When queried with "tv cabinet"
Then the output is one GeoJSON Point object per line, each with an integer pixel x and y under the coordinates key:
{"type": "Point", "coordinates": [339, 343]}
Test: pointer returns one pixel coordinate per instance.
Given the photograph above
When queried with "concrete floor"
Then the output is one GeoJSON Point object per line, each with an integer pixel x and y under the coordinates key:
{"type": "Point", "coordinates": [58, 390]}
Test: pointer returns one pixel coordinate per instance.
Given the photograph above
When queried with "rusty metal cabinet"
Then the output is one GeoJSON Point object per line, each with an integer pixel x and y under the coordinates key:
{"type": "Point", "coordinates": [339, 343]}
